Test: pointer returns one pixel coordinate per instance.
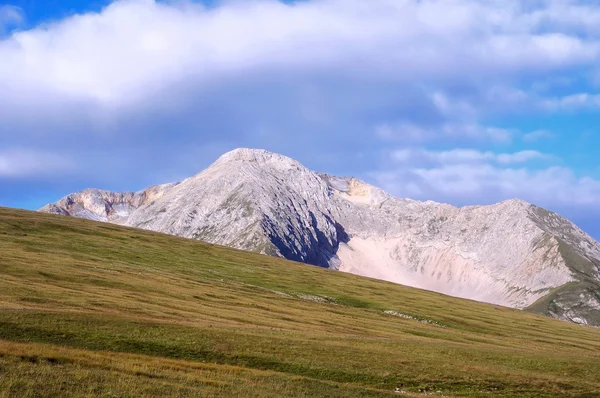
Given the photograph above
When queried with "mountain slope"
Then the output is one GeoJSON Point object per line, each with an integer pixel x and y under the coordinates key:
{"type": "Point", "coordinates": [512, 253]}
{"type": "Point", "coordinates": [94, 309]}
{"type": "Point", "coordinates": [99, 205]}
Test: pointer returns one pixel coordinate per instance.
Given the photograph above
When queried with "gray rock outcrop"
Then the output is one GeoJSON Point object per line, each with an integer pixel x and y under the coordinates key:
{"type": "Point", "coordinates": [511, 253]}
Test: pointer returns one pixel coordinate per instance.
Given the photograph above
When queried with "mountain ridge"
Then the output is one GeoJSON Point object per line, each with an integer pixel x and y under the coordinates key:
{"type": "Point", "coordinates": [83, 299]}
{"type": "Point", "coordinates": [511, 253]}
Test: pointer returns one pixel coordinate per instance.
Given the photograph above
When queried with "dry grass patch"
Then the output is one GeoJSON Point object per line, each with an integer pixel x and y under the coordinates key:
{"type": "Point", "coordinates": [92, 309]}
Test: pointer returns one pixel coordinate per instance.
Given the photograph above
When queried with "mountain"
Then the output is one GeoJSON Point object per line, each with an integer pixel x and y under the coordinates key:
{"type": "Point", "coordinates": [511, 253]}
{"type": "Point", "coordinates": [91, 309]}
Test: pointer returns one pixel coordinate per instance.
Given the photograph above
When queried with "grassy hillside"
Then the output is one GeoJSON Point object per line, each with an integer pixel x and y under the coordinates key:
{"type": "Point", "coordinates": [574, 299]}
{"type": "Point", "coordinates": [91, 309]}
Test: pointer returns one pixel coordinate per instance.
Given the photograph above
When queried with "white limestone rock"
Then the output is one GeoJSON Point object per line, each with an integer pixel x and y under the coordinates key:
{"type": "Point", "coordinates": [511, 253]}
{"type": "Point", "coordinates": [99, 205]}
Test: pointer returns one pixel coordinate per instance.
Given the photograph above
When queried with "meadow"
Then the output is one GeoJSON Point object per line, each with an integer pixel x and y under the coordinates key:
{"type": "Point", "coordinates": [89, 309]}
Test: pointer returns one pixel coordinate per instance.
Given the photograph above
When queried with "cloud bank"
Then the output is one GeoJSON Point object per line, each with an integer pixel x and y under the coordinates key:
{"type": "Point", "coordinates": [464, 101]}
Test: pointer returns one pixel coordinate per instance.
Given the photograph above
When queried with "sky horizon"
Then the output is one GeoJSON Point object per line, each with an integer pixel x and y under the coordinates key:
{"type": "Point", "coordinates": [467, 102]}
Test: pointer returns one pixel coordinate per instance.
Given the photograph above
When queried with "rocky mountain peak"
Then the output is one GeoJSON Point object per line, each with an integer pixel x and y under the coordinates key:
{"type": "Point", "coordinates": [515, 204]}
{"type": "Point", "coordinates": [101, 205]}
{"type": "Point", "coordinates": [242, 157]}
{"type": "Point", "coordinates": [511, 253]}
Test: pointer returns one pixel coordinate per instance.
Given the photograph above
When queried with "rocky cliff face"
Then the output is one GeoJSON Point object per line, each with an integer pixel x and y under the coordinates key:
{"type": "Point", "coordinates": [511, 253]}
{"type": "Point", "coordinates": [99, 205]}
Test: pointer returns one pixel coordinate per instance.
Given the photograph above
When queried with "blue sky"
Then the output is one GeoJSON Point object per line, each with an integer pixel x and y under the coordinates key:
{"type": "Point", "coordinates": [35, 11]}
{"type": "Point", "coordinates": [462, 101]}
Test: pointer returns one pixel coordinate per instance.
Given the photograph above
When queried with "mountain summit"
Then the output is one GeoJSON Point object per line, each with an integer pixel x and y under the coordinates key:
{"type": "Point", "coordinates": [511, 253]}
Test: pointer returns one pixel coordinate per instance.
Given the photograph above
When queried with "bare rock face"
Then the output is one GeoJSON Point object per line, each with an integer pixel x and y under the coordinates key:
{"type": "Point", "coordinates": [95, 204]}
{"type": "Point", "coordinates": [512, 253]}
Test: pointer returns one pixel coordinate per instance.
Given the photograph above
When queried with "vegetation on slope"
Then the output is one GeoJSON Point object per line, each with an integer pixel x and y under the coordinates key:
{"type": "Point", "coordinates": [92, 309]}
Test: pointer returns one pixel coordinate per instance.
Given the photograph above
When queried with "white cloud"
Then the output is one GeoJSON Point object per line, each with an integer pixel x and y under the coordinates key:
{"type": "Point", "coordinates": [554, 186]}
{"type": "Point", "coordinates": [451, 107]}
{"type": "Point", "coordinates": [23, 163]}
{"type": "Point", "coordinates": [571, 16]}
{"type": "Point", "coordinates": [411, 132]}
{"type": "Point", "coordinates": [519, 157]}
{"type": "Point", "coordinates": [11, 15]}
{"type": "Point", "coordinates": [572, 102]}
{"type": "Point", "coordinates": [476, 177]}
{"type": "Point", "coordinates": [309, 76]}
{"type": "Point", "coordinates": [538, 135]}
{"type": "Point", "coordinates": [141, 59]}
{"type": "Point", "coordinates": [464, 156]}
{"type": "Point", "coordinates": [134, 46]}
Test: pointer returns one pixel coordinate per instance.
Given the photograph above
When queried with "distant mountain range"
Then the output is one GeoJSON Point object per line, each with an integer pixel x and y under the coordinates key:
{"type": "Point", "coordinates": [512, 253]}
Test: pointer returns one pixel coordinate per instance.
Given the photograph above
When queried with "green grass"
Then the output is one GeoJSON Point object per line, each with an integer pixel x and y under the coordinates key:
{"type": "Point", "coordinates": [92, 309]}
